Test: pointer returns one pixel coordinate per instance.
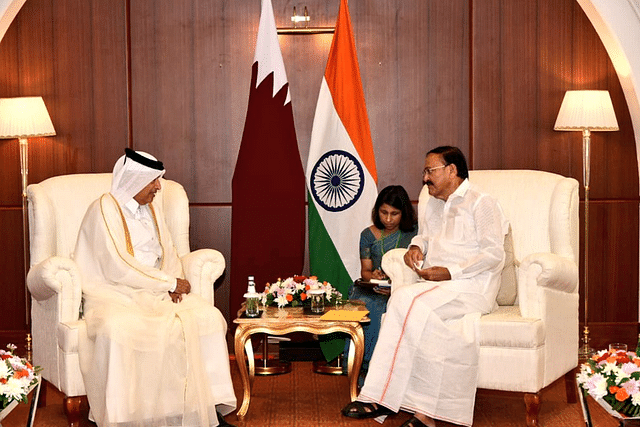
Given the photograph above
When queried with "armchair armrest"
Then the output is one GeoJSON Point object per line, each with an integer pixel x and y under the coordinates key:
{"type": "Point", "coordinates": [393, 265]}
{"type": "Point", "coordinates": [544, 271]}
{"type": "Point", "coordinates": [57, 276]}
{"type": "Point", "coordinates": [201, 269]}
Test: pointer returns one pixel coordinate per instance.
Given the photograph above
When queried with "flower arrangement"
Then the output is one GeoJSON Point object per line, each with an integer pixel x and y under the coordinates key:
{"type": "Point", "coordinates": [16, 376]}
{"type": "Point", "coordinates": [615, 378]}
{"type": "Point", "coordinates": [293, 291]}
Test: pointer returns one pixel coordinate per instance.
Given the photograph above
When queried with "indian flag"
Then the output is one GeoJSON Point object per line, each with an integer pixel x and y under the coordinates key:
{"type": "Point", "coordinates": [341, 170]}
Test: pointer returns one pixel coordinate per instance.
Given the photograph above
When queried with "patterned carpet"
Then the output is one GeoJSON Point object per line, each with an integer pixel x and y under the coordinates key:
{"type": "Point", "coordinates": [305, 399]}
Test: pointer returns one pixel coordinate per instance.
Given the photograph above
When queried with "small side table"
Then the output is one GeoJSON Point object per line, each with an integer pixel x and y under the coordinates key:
{"type": "Point", "coordinates": [275, 321]}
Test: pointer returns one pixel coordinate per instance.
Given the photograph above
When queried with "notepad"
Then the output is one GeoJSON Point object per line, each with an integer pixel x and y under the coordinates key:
{"type": "Point", "coordinates": [345, 315]}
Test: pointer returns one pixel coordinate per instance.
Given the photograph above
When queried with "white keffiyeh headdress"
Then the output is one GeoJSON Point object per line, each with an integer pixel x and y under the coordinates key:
{"type": "Point", "coordinates": [132, 172]}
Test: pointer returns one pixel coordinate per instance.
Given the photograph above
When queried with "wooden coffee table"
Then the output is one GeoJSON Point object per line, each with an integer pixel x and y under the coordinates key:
{"type": "Point", "coordinates": [275, 321]}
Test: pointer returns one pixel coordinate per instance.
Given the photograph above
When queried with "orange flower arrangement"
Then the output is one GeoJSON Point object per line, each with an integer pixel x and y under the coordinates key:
{"type": "Point", "coordinates": [293, 291]}
{"type": "Point", "coordinates": [613, 377]}
{"type": "Point", "coordinates": [16, 376]}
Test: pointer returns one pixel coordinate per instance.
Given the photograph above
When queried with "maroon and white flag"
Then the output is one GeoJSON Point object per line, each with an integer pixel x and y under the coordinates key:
{"type": "Point", "coordinates": [268, 187]}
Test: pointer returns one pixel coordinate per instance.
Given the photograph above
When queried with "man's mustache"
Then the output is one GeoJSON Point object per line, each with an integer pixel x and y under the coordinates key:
{"type": "Point", "coordinates": [427, 182]}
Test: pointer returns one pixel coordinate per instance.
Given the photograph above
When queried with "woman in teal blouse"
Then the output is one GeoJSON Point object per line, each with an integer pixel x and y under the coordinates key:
{"type": "Point", "coordinates": [394, 225]}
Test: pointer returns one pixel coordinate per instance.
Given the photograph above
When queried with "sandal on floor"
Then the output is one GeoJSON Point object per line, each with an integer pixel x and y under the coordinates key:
{"type": "Point", "coordinates": [414, 422]}
{"type": "Point", "coordinates": [222, 422]}
{"type": "Point", "coordinates": [361, 410]}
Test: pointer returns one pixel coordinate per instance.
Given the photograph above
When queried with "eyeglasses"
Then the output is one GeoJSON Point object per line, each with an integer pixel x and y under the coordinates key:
{"type": "Point", "coordinates": [429, 171]}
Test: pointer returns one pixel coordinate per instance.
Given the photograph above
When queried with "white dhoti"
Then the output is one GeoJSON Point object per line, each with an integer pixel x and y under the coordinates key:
{"type": "Point", "coordinates": [426, 358]}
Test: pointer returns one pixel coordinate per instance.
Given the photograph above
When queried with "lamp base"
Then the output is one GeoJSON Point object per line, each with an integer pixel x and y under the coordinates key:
{"type": "Point", "coordinates": [334, 367]}
{"type": "Point", "coordinates": [272, 367]}
{"type": "Point", "coordinates": [585, 351]}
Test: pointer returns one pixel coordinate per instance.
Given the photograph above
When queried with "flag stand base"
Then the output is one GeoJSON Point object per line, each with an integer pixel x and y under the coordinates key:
{"type": "Point", "coordinates": [334, 367]}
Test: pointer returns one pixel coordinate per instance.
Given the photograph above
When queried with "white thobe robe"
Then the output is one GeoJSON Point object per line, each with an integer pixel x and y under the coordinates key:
{"type": "Point", "coordinates": [426, 358]}
{"type": "Point", "coordinates": [146, 361]}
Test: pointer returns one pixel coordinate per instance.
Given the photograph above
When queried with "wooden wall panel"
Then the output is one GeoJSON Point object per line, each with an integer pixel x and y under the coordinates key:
{"type": "Point", "coordinates": [12, 303]}
{"type": "Point", "coordinates": [555, 24]}
{"type": "Point", "coordinates": [613, 257]}
{"type": "Point", "coordinates": [485, 75]}
{"type": "Point", "coordinates": [210, 226]}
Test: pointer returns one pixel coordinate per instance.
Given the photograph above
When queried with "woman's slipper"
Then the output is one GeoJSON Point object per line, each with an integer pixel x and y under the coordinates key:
{"type": "Point", "coordinates": [361, 410]}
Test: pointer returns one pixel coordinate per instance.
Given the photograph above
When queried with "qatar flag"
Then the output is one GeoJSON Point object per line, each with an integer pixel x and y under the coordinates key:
{"type": "Point", "coordinates": [268, 187]}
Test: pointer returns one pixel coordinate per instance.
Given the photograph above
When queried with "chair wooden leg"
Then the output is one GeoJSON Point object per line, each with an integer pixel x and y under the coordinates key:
{"type": "Point", "coordinates": [532, 403]}
{"type": "Point", "coordinates": [571, 386]}
{"type": "Point", "coordinates": [73, 409]}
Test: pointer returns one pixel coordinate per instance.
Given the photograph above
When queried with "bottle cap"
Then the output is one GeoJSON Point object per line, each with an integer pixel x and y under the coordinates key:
{"type": "Point", "coordinates": [251, 289]}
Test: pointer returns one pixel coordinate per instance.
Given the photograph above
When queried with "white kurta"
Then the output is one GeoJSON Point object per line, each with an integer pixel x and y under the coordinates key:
{"type": "Point", "coordinates": [147, 361]}
{"type": "Point", "coordinates": [426, 358]}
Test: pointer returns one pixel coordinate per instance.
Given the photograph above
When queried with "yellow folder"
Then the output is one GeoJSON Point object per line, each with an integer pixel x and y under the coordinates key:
{"type": "Point", "coordinates": [345, 315]}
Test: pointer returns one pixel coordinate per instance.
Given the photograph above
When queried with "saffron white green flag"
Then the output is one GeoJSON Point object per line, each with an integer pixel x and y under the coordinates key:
{"type": "Point", "coordinates": [341, 171]}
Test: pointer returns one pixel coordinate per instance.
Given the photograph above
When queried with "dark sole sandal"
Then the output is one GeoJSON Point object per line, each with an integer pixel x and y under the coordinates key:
{"type": "Point", "coordinates": [414, 422]}
{"type": "Point", "coordinates": [362, 410]}
{"type": "Point", "coordinates": [222, 422]}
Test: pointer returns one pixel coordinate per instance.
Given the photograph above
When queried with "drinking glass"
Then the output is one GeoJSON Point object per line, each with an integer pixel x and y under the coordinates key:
{"type": "Point", "coordinates": [252, 306]}
{"type": "Point", "coordinates": [317, 301]}
{"type": "Point", "coordinates": [617, 346]}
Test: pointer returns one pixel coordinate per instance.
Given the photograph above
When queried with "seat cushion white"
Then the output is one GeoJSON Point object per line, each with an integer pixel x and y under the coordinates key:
{"type": "Point", "coordinates": [506, 328]}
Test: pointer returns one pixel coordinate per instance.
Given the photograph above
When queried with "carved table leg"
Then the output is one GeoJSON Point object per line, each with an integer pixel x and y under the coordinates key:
{"type": "Point", "coordinates": [354, 360]}
{"type": "Point", "coordinates": [532, 403]}
{"type": "Point", "coordinates": [239, 346]}
{"type": "Point", "coordinates": [72, 407]}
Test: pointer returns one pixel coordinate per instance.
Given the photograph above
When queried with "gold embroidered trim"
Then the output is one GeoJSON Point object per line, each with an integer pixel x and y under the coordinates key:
{"type": "Point", "coordinates": [116, 245]}
{"type": "Point", "coordinates": [127, 235]}
{"type": "Point", "coordinates": [155, 222]}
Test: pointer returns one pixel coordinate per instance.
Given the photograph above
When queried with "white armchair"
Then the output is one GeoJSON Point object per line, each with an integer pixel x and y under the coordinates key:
{"type": "Point", "coordinates": [56, 209]}
{"type": "Point", "coordinates": [531, 340]}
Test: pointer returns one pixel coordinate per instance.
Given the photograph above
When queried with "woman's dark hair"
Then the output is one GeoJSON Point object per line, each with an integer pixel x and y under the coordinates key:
{"type": "Point", "coordinates": [453, 155]}
{"type": "Point", "coordinates": [396, 196]}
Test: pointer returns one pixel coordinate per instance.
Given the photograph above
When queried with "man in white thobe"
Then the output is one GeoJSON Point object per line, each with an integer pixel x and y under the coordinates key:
{"type": "Point", "coordinates": [156, 355]}
{"type": "Point", "coordinates": [426, 358]}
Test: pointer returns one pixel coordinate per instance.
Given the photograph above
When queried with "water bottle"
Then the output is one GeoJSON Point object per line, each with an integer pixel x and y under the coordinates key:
{"type": "Point", "coordinates": [252, 299]}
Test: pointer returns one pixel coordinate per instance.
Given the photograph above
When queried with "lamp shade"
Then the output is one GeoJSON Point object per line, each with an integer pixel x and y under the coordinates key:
{"type": "Point", "coordinates": [24, 117]}
{"type": "Point", "coordinates": [586, 109]}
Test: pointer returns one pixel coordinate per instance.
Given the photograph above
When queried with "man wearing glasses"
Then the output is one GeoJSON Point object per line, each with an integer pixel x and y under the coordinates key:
{"type": "Point", "coordinates": [426, 358]}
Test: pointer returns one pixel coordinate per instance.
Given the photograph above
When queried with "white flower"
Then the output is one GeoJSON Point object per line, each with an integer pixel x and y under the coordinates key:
{"type": "Point", "coordinates": [635, 399]}
{"type": "Point", "coordinates": [4, 370]}
{"type": "Point", "coordinates": [608, 368]}
{"type": "Point", "coordinates": [632, 387]}
{"type": "Point", "coordinates": [630, 368]}
{"type": "Point", "coordinates": [13, 389]}
{"type": "Point", "coordinates": [597, 386]}
{"type": "Point", "coordinates": [620, 375]}
{"type": "Point", "coordinates": [282, 300]}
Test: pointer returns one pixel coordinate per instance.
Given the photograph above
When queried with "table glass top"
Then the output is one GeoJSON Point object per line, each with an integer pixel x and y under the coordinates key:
{"type": "Point", "coordinates": [293, 314]}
